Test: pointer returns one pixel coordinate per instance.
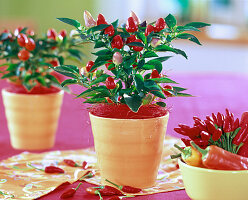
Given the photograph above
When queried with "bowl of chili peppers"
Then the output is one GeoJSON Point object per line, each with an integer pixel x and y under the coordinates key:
{"type": "Point", "coordinates": [214, 163]}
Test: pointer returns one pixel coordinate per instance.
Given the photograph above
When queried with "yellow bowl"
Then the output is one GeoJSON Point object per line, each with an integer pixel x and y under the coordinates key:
{"type": "Point", "coordinates": [208, 184]}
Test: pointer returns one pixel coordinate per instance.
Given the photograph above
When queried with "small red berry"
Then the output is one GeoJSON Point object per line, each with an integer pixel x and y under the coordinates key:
{"type": "Point", "coordinates": [131, 26]}
{"type": "Point", "coordinates": [62, 34]}
{"type": "Point", "coordinates": [18, 30]}
{"type": "Point", "coordinates": [155, 74]}
{"type": "Point", "coordinates": [101, 20]}
{"type": "Point", "coordinates": [51, 34]}
{"type": "Point", "coordinates": [30, 32]}
{"type": "Point", "coordinates": [21, 39]}
{"type": "Point", "coordinates": [136, 48]}
{"type": "Point", "coordinates": [168, 87]}
{"type": "Point", "coordinates": [117, 42]}
{"type": "Point", "coordinates": [23, 55]}
{"type": "Point", "coordinates": [130, 39]}
{"type": "Point", "coordinates": [54, 63]}
{"type": "Point", "coordinates": [167, 93]}
{"type": "Point", "coordinates": [149, 29]}
{"type": "Point", "coordinates": [110, 31]}
{"type": "Point", "coordinates": [89, 65]}
{"type": "Point", "coordinates": [107, 65]}
{"type": "Point", "coordinates": [30, 44]}
{"type": "Point", "coordinates": [160, 25]}
{"type": "Point", "coordinates": [110, 83]}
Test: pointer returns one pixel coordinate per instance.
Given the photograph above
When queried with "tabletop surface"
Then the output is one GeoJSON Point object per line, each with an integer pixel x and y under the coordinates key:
{"type": "Point", "coordinates": [213, 93]}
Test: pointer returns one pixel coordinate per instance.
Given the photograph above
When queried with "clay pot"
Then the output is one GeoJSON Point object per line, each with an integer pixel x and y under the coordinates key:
{"type": "Point", "coordinates": [129, 150]}
{"type": "Point", "coordinates": [32, 119]}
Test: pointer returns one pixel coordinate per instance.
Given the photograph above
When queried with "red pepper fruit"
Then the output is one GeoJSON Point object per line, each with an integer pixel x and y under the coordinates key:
{"type": "Point", "coordinates": [131, 26]}
{"type": "Point", "coordinates": [70, 163]}
{"type": "Point", "coordinates": [214, 117]}
{"type": "Point", "coordinates": [107, 65]}
{"type": "Point", "coordinates": [110, 31]}
{"type": "Point", "coordinates": [201, 125]}
{"type": "Point", "coordinates": [30, 44]}
{"type": "Point", "coordinates": [18, 30]}
{"type": "Point", "coordinates": [201, 143]}
{"type": "Point", "coordinates": [114, 198]}
{"type": "Point", "coordinates": [186, 141]}
{"type": "Point", "coordinates": [167, 93]}
{"type": "Point", "coordinates": [149, 30]}
{"type": "Point", "coordinates": [240, 136]}
{"type": "Point", "coordinates": [160, 25]}
{"type": "Point", "coordinates": [101, 20]}
{"type": "Point", "coordinates": [130, 39]}
{"type": "Point", "coordinates": [89, 65]}
{"type": "Point", "coordinates": [84, 165]}
{"type": "Point", "coordinates": [205, 135]}
{"type": "Point", "coordinates": [30, 32]}
{"type": "Point", "coordinates": [217, 134]}
{"type": "Point", "coordinates": [227, 126]}
{"type": "Point", "coordinates": [51, 34]}
{"type": "Point", "coordinates": [127, 189]}
{"type": "Point", "coordinates": [54, 63]}
{"type": "Point", "coordinates": [110, 83]}
{"type": "Point", "coordinates": [220, 119]}
{"type": "Point", "coordinates": [53, 169]}
{"type": "Point", "coordinates": [209, 118]}
{"type": "Point", "coordinates": [136, 48]}
{"type": "Point", "coordinates": [89, 174]}
{"type": "Point", "coordinates": [235, 124]}
{"type": "Point", "coordinates": [117, 42]}
{"type": "Point", "coordinates": [244, 119]}
{"type": "Point", "coordinates": [243, 151]}
{"type": "Point", "coordinates": [155, 74]}
{"type": "Point", "coordinates": [70, 192]}
{"type": "Point", "coordinates": [214, 157]}
{"type": "Point", "coordinates": [210, 126]}
{"type": "Point", "coordinates": [21, 39]}
{"type": "Point", "coordinates": [62, 34]}
{"type": "Point", "coordinates": [23, 55]}
{"type": "Point", "coordinates": [104, 191]}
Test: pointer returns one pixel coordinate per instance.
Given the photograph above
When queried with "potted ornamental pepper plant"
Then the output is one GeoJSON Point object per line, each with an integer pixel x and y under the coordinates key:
{"type": "Point", "coordinates": [33, 98]}
{"type": "Point", "coordinates": [127, 85]}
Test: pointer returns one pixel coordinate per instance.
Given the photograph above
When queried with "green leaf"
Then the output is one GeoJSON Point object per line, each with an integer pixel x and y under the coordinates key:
{"type": "Point", "coordinates": [184, 95]}
{"type": "Point", "coordinates": [158, 94]}
{"type": "Point", "coordinates": [12, 66]}
{"type": "Point", "coordinates": [96, 100]}
{"type": "Point", "coordinates": [149, 54]}
{"type": "Point", "coordinates": [189, 37]}
{"type": "Point", "coordinates": [76, 54]}
{"type": "Point", "coordinates": [70, 68]}
{"type": "Point", "coordinates": [164, 48]}
{"type": "Point", "coordinates": [103, 52]}
{"type": "Point", "coordinates": [86, 93]}
{"type": "Point", "coordinates": [148, 67]}
{"type": "Point", "coordinates": [99, 44]}
{"type": "Point", "coordinates": [148, 99]}
{"type": "Point", "coordinates": [71, 22]}
{"type": "Point", "coordinates": [8, 75]}
{"type": "Point", "coordinates": [103, 58]}
{"type": "Point", "coordinates": [187, 28]}
{"type": "Point", "coordinates": [100, 79]}
{"type": "Point", "coordinates": [98, 64]}
{"type": "Point", "coordinates": [4, 36]}
{"type": "Point", "coordinates": [61, 70]}
{"type": "Point", "coordinates": [181, 52]}
{"type": "Point", "coordinates": [198, 24]}
{"type": "Point", "coordinates": [160, 103]}
{"type": "Point", "coordinates": [142, 37]}
{"type": "Point", "coordinates": [158, 66]}
{"type": "Point", "coordinates": [98, 28]}
{"type": "Point", "coordinates": [141, 64]}
{"type": "Point", "coordinates": [115, 24]}
{"type": "Point", "coordinates": [139, 82]}
{"type": "Point", "coordinates": [52, 78]}
{"type": "Point", "coordinates": [163, 80]}
{"type": "Point", "coordinates": [134, 102]}
{"type": "Point", "coordinates": [136, 44]}
{"type": "Point", "coordinates": [162, 59]}
{"type": "Point", "coordinates": [41, 80]}
{"type": "Point", "coordinates": [171, 21]}
{"type": "Point", "coordinates": [178, 89]}
{"type": "Point", "coordinates": [69, 82]}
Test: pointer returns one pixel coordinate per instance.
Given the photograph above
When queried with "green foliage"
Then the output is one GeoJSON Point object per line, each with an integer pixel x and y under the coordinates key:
{"type": "Point", "coordinates": [37, 70]}
{"type": "Point", "coordinates": [135, 82]}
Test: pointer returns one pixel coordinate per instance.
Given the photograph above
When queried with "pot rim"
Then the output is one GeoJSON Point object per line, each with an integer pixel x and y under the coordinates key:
{"type": "Point", "coordinates": [204, 170]}
{"type": "Point", "coordinates": [115, 119]}
{"type": "Point", "coordinates": [61, 92]}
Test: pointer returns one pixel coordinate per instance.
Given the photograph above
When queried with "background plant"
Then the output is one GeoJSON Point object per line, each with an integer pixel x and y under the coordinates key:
{"type": "Point", "coordinates": [29, 58]}
{"type": "Point", "coordinates": [133, 74]}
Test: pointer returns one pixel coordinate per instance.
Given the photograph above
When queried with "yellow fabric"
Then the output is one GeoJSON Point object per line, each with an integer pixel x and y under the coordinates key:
{"type": "Point", "coordinates": [19, 181]}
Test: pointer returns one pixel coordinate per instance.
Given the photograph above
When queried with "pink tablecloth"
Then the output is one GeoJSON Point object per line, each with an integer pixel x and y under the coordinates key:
{"type": "Point", "coordinates": [214, 92]}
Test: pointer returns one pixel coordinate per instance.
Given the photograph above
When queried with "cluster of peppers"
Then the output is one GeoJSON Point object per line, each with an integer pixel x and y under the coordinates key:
{"type": "Point", "coordinates": [105, 190]}
{"type": "Point", "coordinates": [220, 130]}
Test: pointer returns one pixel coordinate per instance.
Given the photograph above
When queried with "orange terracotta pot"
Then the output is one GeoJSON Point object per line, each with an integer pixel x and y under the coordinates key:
{"type": "Point", "coordinates": [129, 150]}
{"type": "Point", "coordinates": [32, 119]}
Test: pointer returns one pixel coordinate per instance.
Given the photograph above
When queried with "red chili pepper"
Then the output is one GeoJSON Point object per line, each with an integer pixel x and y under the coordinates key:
{"type": "Point", "coordinates": [205, 135]}
{"type": "Point", "coordinates": [214, 157]}
{"type": "Point", "coordinates": [130, 39]}
{"type": "Point", "coordinates": [30, 44]}
{"type": "Point", "coordinates": [89, 174]}
{"type": "Point", "coordinates": [131, 26]}
{"type": "Point", "coordinates": [201, 143]}
{"type": "Point", "coordinates": [84, 165]}
{"type": "Point", "coordinates": [210, 126]}
{"type": "Point", "coordinates": [240, 136]}
{"type": "Point", "coordinates": [155, 74]}
{"type": "Point", "coordinates": [110, 31]}
{"type": "Point", "coordinates": [101, 20]}
{"type": "Point", "coordinates": [114, 198]}
{"type": "Point", "coordinates": [110, 83]}
{"type": "Point", "coordinates": [70, 192]}
{"type": "Point", "coordinates": [243, 151]}
{"type": "Point", "coordinates": [70, 163]}
{"type": "Point", "coordinates": [227, 125]}
{"type": "Point", "coordinates": [201, 125]}
{"type": "Point", "coordinates": [209, 118]}
{"type": "Point", "coordinates": [104, 191]}
{"type": "Point", "coordinates": [21, 38]}
{"type": "Point", "coordinates": [186, 141]}
{"type": "Point", "coordinates": [149, 30]}
{"type": "Point", "coordinates": [220, 119]}
{"type": "Point", "coordinates": [51, 34]}
{"type": "Point", "coordinates": [136, 48]}
{"type": "Point", "coordinates": [217, 134]}
{"type": "Point", "coordinates": [160, 25]}
{"type": "Point", "coordinates": [53, 169]}
{"type": "Point", "coordinates": [127, 189]}
{"type": "Point", "coordinates": [235, 124]}
{"type": "Point", "coordinates": [214, 117]}
{"type": "Point", "coordinates": [244, 119]}
{"type": "Point", "coordinates": [89, 65]}
{"type": "Point", "coordinates": [117, 42]}
{"type": "Point", "coordinates": [62, 34]}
